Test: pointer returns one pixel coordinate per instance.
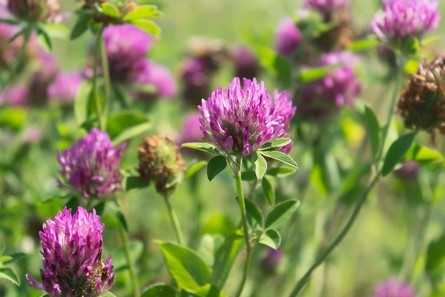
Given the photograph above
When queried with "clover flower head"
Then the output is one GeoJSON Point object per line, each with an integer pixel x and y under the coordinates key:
{"type": "Point", "coordinates": [400, 19]}
{"type": "Point", "coordinates": [241, 118]}
{"type": "Point", "coordinates": [72, 256]}
{"type": "Point", "coordinates": [288, 38]}
{"type": "Point", "coordinates": [393, 288]}
{"type": "Point", "coordinates": [338, 88]}
{"type": "Point", "coordinates": [64, 87]}
{"type": "Point", "coordinates": [326, 6]}
{"type": "Point", "coordinates": [91, 166]}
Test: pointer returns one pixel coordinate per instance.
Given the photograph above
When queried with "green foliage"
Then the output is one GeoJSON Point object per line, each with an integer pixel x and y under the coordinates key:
{"type": "Point", "coordinates": [271, 238]}
{"type": "Point", "coordinates": [396, 152]}
{"type": "Point", "coordinates": [281, 213]}
{"type": "Point", "coordinates": [159, 290]}
{"type": "Point", "coordinates": [215, 166]}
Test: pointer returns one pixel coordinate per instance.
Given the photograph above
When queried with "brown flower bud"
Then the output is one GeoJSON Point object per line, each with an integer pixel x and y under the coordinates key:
{"type": "Point", "coordinates": [35, 10]}
{"type": "Point", "coordinates": [160, 162]}
{"type": "Point", "coordinates": [422, 103]}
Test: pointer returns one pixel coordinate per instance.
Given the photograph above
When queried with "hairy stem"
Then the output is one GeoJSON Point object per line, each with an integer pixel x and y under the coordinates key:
{"type": "Point", "coordinates": [131, 267]}
{"type": "Point", "coordinates": [174, 221]}
{"type": "Point", "coordinates": [239, 190]}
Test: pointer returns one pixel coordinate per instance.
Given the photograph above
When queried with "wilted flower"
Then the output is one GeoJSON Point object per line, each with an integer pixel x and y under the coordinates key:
{"type": "Point", "coordinates": [405, 18]}
{"type": "Point", "coordinates": [326, 6]}
{"type": "Point", "coordinates": [241, 119]}
{"type": "Point", "coordinates": [159, 78]}
{"type": "Point", "coordinates": [64, 88]}
{"type": "Point", "coordinates": [422, 103]}
{"type": "Point", "coordinates": [394, 288]}
{"type": "Point", "coordinates": [36, 10]}
{"type": "Point", "coordinates": [72, 256]}
{"type": "Point", "coordinates": [41, 79]}
{"type": "Point", "coordinates": [245, 62]}
{"type": "Point", "coordinates": [288, 37]}
{"type": "Point", "coordinates": [91, 166]}
{"type": "Point", "coordinates": [160, 162]}
{"type": "Point", "coordinates": [123, 7]}
{"type": "Point", "coordinates": [126, 47]}
{"type": "Point", "coordinates": [338, 88]}
{"type": "Point", "coordinates": [270, 262]}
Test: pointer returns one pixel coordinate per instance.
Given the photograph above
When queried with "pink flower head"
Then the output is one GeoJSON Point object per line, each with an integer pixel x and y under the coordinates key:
{"type": "Point", "coordinates": [326, 6]}
{"type": "Point", "coordinates": [91, 166]}
{"type": "Point", "coordinates": [64, 88]}
{"type": "Point", "coordinates": [242, 118]}
{"type": "Point", "coordinates": [405, 18]}
{"type": "Point", "coordinates": [72, 256]}
{"type": "Point", "coordinates": [126, 47]}
{"type": "Point", "coordinates": [394, 288]}
{"type": "Point", "coordinates": [288, 38]}
{"type": "Point", "coordinates": [160, 78]}
{"type": "Point", "coordinates": [338, 88]}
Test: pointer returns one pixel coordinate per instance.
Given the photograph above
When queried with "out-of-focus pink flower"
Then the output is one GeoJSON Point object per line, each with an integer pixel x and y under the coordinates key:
{"type": "Point", "coordinates": [288, 38]}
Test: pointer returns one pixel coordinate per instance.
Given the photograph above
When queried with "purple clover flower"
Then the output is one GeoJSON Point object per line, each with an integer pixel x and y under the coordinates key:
{"type": "Point", "coordinates": [326, 6]}
{"type": "Point", "coordinates": [283, 108]}
{"type": "Point", "coordinates": [91, 166]}
{"type": "Point", "coordinates": [242, 118]}
{"type": "Point", "coordinates": [16, 96]}
{"type": "Point", "coordinates": [405, 18]}
{"type": "Point", "coordinates": [64, 87]}
{"type": "Point", "coordinates": [159, 77]}
{"type": "Point", "coordinates": [126, 47]}
{"type": "Point", "coordinates": [338, 88]}
{"type": "Point", "coordinates": [272, 260]}
{"type": "Point", "coordinates": [394, 288]}
{"type": "Point", "coordinates": [245, 62]}
{"type": "Point", "coordinates": [191, 129]}
{"type": "Point", "coordinates": [72, 256]}
{"type": "Point", "coordinates": [288, 38]}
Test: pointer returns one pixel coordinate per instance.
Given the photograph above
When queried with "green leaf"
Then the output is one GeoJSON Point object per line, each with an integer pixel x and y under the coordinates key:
{"type": "Point", "coordinates": [281, 213]}
{"type": "Point", "coordinates": [44, 38]}
{"type": "Point", "coordinates": [210, 290]}
{"type": "Point", "coordinates": [185, 266]}
{"type": "Point", "coordinates": [280, 171]}
{"type": "Point", "coordinates": [276, 143]}
{"type": "Point", "coordinates": [81, 105]}
{"type": "Point", "coordinates": [314, 73]}
{"type": "Point", "coordinates": [142, 12]}
{"type": "Point", "coordinates": [108, 294]}
{"type": "Point", "coordinates": [374, 130]}
{"type": "Point", "coordinates": [424, 154]}
{"type": "Point", "coordinates": [215, 166]}
{"type": "Point", "coordinates": [260, 166]}
{"type": "Point", "coordinates": [281, 157]}
{"type": "Point", "coordinates": [271, 238]}
{"type": "Point", "coordinates": [248, 175]}
{"type": "Point", "coordinates": [201, 146]}
{"type": "Point", "coordinates": [268, 191]}
{"type": "Point", "coordinates": [80, 27]}
{"type": "Point", "coordinates": [13, 258]}
{"type": "Point", "coordinates": [126, 125]}
{"type": "Point", "coordinates": [274, 63]}
{"type": "Point", "coordinates": [9, 274]}
{"type": "Point", "coordinates": [225, 257]}
{"type": "Point", "coordinates": [397, 151]}
{"type": "Point", "coordinates": [364, 44]}
{"type": "Point", "coordinates": [135, 182]}
{"type": "Point", "coordinates": [12, 117]}
{"type": "Point", "coordinates": [159, 290]}
{"type": "Point", "coordinates": [435, 260]}
{"type": "Point", "coordinates": [254, 215]}
{"type": "Point", "coordinates": [193, 169]}
{"type": "Point", "coordinates": [148, 26]}
{"type": "Point", "coordinates": [110, 10]}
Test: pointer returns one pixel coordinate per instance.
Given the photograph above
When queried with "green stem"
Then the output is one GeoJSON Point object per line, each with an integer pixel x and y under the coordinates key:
{"type": "Point", "coordinates": [131, 268]}
{"type": "Point", "coordinates": [239, 190]}
{"type": "Point", "coordinates": [395, 96]}
{"type": "Point", "coordinates": [97, 53]}
{"type": "Point", "coordinates": [107, 80]}
{"type": "Point", "coordinates": [19, 60]}
{"type": "Point", "coordinates": [174, 221]}
{"type": "Point", "coordinates": [302, 282]}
